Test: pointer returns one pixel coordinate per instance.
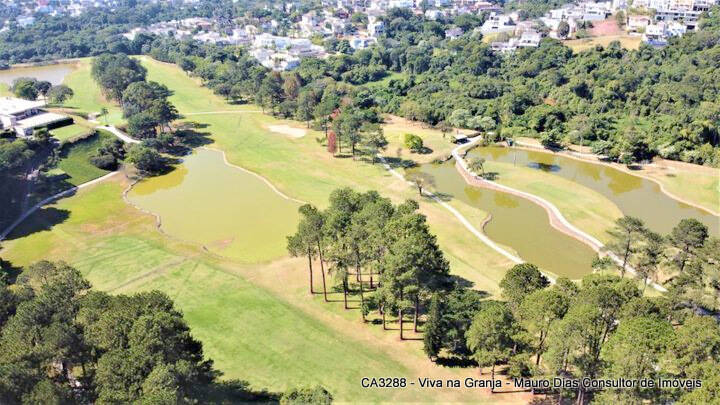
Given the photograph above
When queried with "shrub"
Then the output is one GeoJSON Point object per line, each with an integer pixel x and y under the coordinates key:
{"type": "Point", "coordinates": [104, 161]}
{"type": "Point", "coordinates": [315, 395]}
{"type": "Point", "coordinates": [413, 142]}
{"type": "Point", "coordinates": [145, 159]}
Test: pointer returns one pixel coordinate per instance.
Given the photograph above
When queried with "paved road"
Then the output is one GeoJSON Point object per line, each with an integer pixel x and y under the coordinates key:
{"type": "Point", "coordinates": [120, 134]}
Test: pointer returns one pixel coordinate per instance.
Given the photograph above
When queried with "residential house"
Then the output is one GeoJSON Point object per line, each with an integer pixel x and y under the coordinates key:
{"type": "Point", "coordinates": [637, 23]}
{"type": "Point", "coordinates": [497, 23]}
{"type": "Point", "coordinates": [361, 42]}
{"type": "Point", "coordinates": [453, 33]}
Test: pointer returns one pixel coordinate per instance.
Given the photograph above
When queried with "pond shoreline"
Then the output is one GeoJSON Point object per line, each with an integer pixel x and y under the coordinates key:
{"type": "Point", "coordinates": [557, 220]}
{"type": "Point", "coordinates": [596, 159]}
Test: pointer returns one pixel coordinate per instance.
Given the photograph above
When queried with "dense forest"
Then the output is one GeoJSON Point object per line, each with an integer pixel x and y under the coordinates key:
{"type": "Point", "coordinates": [627, 105]}
{"type": "Point", "coordinates": [603, 327]}
{"type": "Point", "coordinates": [62, 342]}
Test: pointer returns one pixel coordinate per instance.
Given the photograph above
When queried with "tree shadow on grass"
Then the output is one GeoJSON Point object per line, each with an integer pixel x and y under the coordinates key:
{"type": "Point", "coordinates": [9, 272]}
{"type": "Point", "coordinates": [444, 197]}
{"type": "Point", "coordinates": [491, 176]}
{"type": "Point", "coordinates": [456, 362]}
{"type": "Point", "coordinates": [237, 392]}
{"type": "Point", "coordinates": [400, 163]}
{"type": "Point", "coordinates": [43, 219]}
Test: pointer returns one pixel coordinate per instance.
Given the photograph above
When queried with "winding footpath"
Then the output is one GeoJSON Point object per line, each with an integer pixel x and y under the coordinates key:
{"type": "Point", "coordinates": [478, 234]}
{"type": "Point", "coordinates": [123, 136]}
{"type": "Point", "coordinates": [596, 159]}
{"type": "Point", "coordinates": [557, 220]}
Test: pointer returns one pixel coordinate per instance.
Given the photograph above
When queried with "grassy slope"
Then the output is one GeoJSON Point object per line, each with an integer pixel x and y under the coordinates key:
{"type": "Point", "coordinates": [302, 169]}
{"type": "Point", "coordinates": [246, 330]}
{"type": "Point", "coordinates": [626, 41]}
{"type": "Point", "coordinates": [274, 336]}
{"type": "Point", "coordinates": [697, 184]}
{"type": "Point", "coordinates": [120, 252]}
{"type": "Point", "coordinates": [69, 133]}
{"type": "Point", "coordinates": [75, 159]}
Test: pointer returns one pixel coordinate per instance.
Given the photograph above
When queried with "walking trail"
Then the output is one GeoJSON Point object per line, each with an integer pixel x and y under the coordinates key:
{"type": "Point", "coordinates": [557, 220]}
{"type": "Point", "coordinates": [123, 136]}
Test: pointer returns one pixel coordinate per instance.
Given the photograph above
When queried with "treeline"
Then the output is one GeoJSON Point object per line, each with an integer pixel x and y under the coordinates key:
{"type": "Point", "coordinates": [686, 261]}
{"type": "Point", "coordinates": [20, 158]}
{"type": "Point", "coordinates": [386, 250]}
{"type": "Point", "coordinates": [144, 104]}
{"type": "Point", "coordinates": [62, 342]}
{"type": "Point", "coordinates": [29, 88]}
{"type": "Point", "coordinates": [626, 105]}
{"type": "Point", "coordinates": [629, 105]}
{"type": "Point", "coordinates": [601, 327]}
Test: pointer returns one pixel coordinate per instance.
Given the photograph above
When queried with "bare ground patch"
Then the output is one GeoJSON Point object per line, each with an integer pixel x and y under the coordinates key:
{"type": "Point", "coordinates": [288, 130]}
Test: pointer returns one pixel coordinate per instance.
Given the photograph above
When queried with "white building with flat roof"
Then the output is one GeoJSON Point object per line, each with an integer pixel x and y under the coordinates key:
{"type": "Point", "coordinates": [497, 23]}
{"type": "Point", "coordinates": [24, 116]}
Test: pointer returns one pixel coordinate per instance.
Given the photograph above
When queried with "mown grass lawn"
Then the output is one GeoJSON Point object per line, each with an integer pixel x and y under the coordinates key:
{"type": "Point", "coordinates": [75, 158]}
{"type": "Point", "coordinates": [274, 338]}
{"type": "Point", "coordinates": [69, 133]}
{"type": "Point", "coordinates": [585, 208]}
{"type": "Point", "coordinates": [88, 97]}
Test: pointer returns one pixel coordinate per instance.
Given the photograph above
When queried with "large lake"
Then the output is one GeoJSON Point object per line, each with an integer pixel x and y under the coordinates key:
{"type": "Point", "coordinates": [54, 74]}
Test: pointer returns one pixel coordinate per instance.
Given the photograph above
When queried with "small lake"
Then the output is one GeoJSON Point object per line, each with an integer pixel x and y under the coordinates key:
{"type": "Point", "coordinates": [54, 74]}
{"type": "Point", "coordinates": [634, 195]}
{"type": "Point", "coordinates": [229, 211]}
{"type": "Point", "coordinates": [517, 223]}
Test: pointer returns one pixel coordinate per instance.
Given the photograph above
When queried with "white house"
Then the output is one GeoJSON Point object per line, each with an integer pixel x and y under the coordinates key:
{"type": "Point", "coordinates": [401, 4]}
{"type": "Point", "coordinates": [361, 43]}
{"type": "Point", "coordinates": [637, 23]}
{"type": "Point", "coordinates": [658, 34]}
{"type": "Point", "coordinates": [375, 28]}
{"type": "Point", "coordinates": [497, 23]}
{"type": "Point", "coordinates": [24, 116]}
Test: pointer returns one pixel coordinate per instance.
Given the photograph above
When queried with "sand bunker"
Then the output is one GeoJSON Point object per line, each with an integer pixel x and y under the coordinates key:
{"type": "Point", "coordinates": [288, 130]}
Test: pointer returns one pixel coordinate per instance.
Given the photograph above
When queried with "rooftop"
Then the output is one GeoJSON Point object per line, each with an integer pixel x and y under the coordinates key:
{"type": "Point", "coordinates": [12, 106]}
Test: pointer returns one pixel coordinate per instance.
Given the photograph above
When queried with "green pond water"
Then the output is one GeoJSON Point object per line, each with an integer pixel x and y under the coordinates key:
{"type": "Point", "coordinates": [227, 210]}
{"type": "Point", "coordinates": [54, 74]}
{"type": "Point", "coordinates": [634, 195]}
{"type": "Point", "coordinates": [517, 223]}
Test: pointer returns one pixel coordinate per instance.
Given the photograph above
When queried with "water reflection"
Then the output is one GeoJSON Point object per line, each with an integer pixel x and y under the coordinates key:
{"type": "Point", "coordinates": [634, 195]}
{"type": "Point", "coordinates": [516, 222]}
{"type": "Point", "coordinates": [543, 166]}
{"type": "Point", "coordinates": [54, 74]}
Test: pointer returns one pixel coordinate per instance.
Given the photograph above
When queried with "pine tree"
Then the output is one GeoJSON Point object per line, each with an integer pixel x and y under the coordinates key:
{"type": "Point", "coordinates": [432, 339]}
